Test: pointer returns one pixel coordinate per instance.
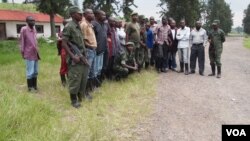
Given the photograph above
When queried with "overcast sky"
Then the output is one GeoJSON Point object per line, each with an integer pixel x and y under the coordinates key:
{"type": "Point", "coordinates": [149, 8]}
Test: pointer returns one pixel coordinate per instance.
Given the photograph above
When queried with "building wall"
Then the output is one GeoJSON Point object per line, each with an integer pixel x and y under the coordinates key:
{"type": "Point", "coordinates": [11, 29]}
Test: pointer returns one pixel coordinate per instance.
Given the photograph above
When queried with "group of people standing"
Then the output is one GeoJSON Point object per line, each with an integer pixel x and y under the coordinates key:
{"type": "Point", "coordinates": [93, 46]}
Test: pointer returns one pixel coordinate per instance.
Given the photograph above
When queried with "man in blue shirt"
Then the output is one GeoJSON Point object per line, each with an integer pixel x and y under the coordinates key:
{"type": "Point", "coordinates": [150, 44]}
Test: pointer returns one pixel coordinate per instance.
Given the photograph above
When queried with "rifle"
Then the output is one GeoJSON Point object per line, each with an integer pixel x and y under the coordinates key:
{"type": "Point", "coordinates": [78, 53]}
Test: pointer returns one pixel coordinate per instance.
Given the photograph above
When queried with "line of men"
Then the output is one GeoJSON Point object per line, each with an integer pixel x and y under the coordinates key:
{"type": "Point", "coordinates": [109, 50]}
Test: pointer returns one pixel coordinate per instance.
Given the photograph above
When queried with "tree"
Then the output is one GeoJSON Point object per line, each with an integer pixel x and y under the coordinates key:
{"type": "Point", "coordinates": [53, 7]}
{"type": "Point", "coordinates": [4, 1]}
{"type": "Point", "coordinates": [246, 20]}
{"type": "Point", "coordinates": [219, 9]}
{"type": "Point", "coordinates": [111, 6]}
{"type": "Point", "coordinates": [190, 10]}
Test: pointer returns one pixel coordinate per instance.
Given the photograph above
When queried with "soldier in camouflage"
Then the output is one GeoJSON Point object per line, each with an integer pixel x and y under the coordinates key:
{"type": "Point", "coordinates": [216, 39]}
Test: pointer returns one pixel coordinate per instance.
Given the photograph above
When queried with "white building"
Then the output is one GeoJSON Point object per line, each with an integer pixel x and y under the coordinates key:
{"type": "Point", "coordinates": [12, 21]}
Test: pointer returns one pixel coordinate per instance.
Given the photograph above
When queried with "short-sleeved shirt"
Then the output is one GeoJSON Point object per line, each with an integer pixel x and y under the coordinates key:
{"type": "Point", "coordinates": [150, 38]}
{"type": "Point", "coordinates": [72, 33]}
{"type": "Point", "coordinates": [89, 34]}
{"type": "Point", "coordinates": [133, 32]}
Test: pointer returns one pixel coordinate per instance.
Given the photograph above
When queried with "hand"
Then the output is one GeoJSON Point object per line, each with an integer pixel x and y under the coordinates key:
{"type": "Point", "coordinates": [76, 59]}
{"type": "Point", "coordinates": [136, 67]}
{"type": "Point", "coordinates": [85, 61]}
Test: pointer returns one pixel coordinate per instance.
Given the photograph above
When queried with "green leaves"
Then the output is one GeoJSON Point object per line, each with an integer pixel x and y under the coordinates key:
{"type": "Point", "coordinates": [246, 20]}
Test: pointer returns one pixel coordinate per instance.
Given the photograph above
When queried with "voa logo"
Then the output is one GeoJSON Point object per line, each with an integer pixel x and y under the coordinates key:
{"type": "Point", "coordinates": [236, 132]}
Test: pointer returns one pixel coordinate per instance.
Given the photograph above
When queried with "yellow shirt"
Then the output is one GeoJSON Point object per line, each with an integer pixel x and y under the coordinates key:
{"type": "Point", "coordinates": [89, 34]}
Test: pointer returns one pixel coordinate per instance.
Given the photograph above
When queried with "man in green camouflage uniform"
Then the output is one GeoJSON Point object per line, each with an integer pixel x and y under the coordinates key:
{"type": "Point", "coordinates": [124, 62]}
{"type": "Point", "coordinates": [216, 39]}
{"type": "Point", "coordinates": [77, 69]}
{"type": "Point", "coordinates": [143, 43]}
{"type": "Point", "coordinates": [133, 35]}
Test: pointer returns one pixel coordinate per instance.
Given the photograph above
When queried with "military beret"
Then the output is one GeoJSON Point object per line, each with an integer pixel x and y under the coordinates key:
{"type": "Point", "coordinates": [216, 22]}
{"type": "Point", "coordinates": [130, 43]}
{"type": "Point", "coordinates": [133, 13]}
{"type": "Point", "coordinates": [74, 9]}
{"type": "Point", "coordinates": [142, 17]}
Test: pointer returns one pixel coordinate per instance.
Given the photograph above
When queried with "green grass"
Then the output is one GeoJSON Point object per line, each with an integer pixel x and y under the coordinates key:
{"type": "Point", "coordinates": [247, 42]}
{"type": "Point", "coordinates": [114, 113]}
{"type": "Point", "coordinates": [17, 6]}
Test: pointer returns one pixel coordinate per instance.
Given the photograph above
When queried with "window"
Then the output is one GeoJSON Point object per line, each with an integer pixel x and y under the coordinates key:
{"type": "Point", "coordinates": [19, 27]}
{"type": "Point", "coordinates": [39, 28]}
{"type": "Point", "coordinates": [58, 29]}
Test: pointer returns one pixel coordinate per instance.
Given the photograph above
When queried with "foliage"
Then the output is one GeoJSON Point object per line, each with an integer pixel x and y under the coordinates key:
{"type": "Point", "coordinates": [111, 6]}
{"type": "Point", "coordinates": [182, 9]}
{"type": "Point", "coordinates": [247, 42]}
{"type": "Point", "coordinates": [52, 7]}
{"type": "Point", "coordinates": [16, 6]}
{"type": "Point", "coordinates": [117, 107]}
{"type": "Point", "coordinates": [246, 20]}
{"type": "Point", "coordinates": [219, 9]}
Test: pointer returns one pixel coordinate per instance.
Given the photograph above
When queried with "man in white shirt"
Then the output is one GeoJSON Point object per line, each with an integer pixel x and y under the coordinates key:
{"type": "Point", "coordinates": [198, 40]}
{"type": "Point", "coordinates": [183, 36]}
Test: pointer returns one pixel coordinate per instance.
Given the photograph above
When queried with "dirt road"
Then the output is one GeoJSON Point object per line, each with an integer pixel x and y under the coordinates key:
{"type": "Point", "coordinates": [193, 108]}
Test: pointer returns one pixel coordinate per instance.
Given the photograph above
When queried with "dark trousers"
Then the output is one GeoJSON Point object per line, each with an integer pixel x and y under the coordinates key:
{"type": "Point", "coordinates": [197, 51]}
{"type": "Point", "coordinates": [172, 60]}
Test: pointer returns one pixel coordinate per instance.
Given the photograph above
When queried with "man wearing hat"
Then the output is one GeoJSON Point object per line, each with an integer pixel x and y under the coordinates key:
{"type": "Point", "coordinates": [143, 57]}
{"type": "Point", "coordinates": [77, 69]}
{"type": "Point", "coordinates": [216, 39]}
{"type": "Point", "coordinates": [124, 62]}
{"type": "Point", "coordinates": [133, 35]}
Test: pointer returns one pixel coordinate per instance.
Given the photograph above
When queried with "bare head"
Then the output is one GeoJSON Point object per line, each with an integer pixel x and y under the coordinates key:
{"type": "Point", "coordinates": [30, 21]}
{"type": "Point", "coordinates": [89, 15]}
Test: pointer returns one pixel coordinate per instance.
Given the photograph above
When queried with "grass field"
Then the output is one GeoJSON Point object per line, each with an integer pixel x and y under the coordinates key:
{"type": "Point", "coordinates": [247, 42]}
{"type": "Point", "coordinates": [114, 113]}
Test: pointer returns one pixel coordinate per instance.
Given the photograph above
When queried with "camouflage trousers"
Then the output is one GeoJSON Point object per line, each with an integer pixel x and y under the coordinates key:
{"type": "Point", "coordinates": [215, 56]}
{"type": "Point", "coordinates": [77, 78]}
{"type": "Point", "coordinates": [139, 56]}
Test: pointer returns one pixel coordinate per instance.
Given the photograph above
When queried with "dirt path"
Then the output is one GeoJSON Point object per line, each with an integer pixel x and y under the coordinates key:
{"type": "Point", "coordinates": [193, 108]}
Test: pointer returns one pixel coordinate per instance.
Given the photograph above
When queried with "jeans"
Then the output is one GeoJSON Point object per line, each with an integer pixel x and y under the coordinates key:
{"type": "Point", "coordinates": [98, 64]}
{"type": "Point", "coordinates": [172, 60]}
{"type": "Point", "coordinates": [91, 54]}
{"type": "Point", "coordinates": [197, 51]}
{"type": "Point", "coordinates": [183, 54]}
{"type": "Point", "coordinates": [31, 68]}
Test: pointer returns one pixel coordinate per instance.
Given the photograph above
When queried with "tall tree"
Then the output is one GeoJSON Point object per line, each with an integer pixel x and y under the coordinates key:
{"type": "Point", "coordinates": [219, 9]}
{"type": "Point", "coordinates": [246, 20]}
{"type": "Point", "coordinates": [4, 1]}
{"type": "Point", "coordinates": [126, 8]}
{"type": "Point", "coordinates": [182, 9]}
{"type": "Point", "coordinates": [111, 6]}
{"type": "Point", "coordinates": [53, 7]}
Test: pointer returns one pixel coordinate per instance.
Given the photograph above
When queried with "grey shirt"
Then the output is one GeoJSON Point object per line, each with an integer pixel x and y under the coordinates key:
{"type": "Point", "coordinates": [198, 37]}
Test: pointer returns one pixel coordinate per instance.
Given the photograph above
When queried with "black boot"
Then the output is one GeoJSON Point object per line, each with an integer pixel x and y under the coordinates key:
{"type": "Point", "coordinates": [74, 102]}
{"type": "Point", "coordinates": [63, 80]}
{"type": "Point", "coordinates": [181, 67]}
{"type": "Point", "coordinates": [79, 96]}
{"type": "Point", "coordinates": [219, 71]}
{"type": "Point", "coordinates": [97, 82]}
{"type": "Point", "coordinates": [146, 65]}
{"type": "Point", "coordinates": [34, 81]}
{"type": "Point", "coordinates": [186, 69]}
{"type": "Point", "coordinates": [87, 91]}
{"type": "Point", "coordinates": [213, 70]}
{"type": "Point", "coordinates": [29, 84]}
